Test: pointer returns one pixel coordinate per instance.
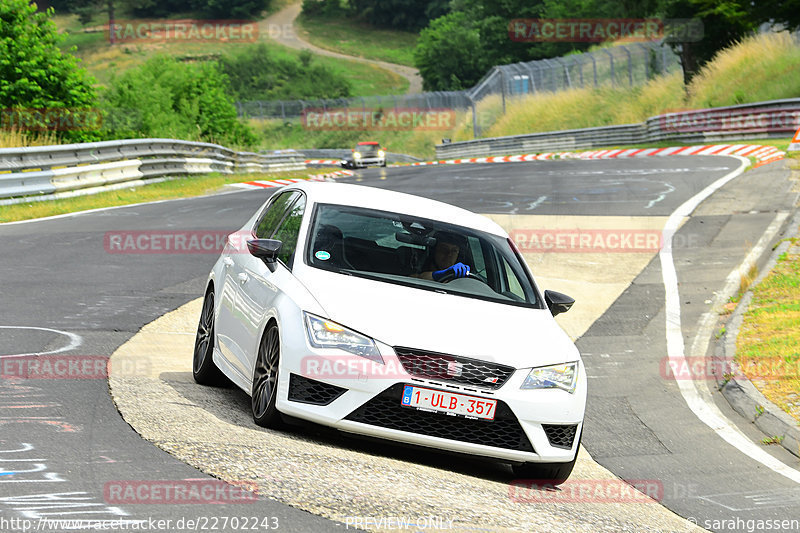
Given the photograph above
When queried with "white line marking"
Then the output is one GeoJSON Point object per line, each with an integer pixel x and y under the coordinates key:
{"type": "Point", "coordinates": [74, 341]}
{"type": "Point", "coordinates": [702, 407]}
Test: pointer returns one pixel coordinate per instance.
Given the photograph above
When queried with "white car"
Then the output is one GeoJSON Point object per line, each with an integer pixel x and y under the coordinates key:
{"type": "Point", "coordinates": [322, 308]}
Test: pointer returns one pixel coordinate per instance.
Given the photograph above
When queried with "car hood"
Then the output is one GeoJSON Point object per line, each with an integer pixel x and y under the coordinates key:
{"type": "Point", "coordinates": [427, 320]}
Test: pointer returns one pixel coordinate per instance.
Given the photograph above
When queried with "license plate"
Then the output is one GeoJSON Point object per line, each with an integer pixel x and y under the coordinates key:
{"type": "Point", "coordinates": [448, 402]}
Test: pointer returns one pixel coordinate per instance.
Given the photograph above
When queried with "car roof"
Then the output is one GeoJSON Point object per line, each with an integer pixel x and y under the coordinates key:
{"type": "Point", "coordinates": [395, 202]}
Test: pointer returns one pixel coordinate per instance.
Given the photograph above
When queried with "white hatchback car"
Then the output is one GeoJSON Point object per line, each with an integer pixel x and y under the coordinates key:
{"type": "Point", "coordinates": [398, 317]}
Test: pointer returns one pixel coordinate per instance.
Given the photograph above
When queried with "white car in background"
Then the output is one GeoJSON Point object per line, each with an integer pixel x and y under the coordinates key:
{"type": "Point", "coordinates": [322, 317]}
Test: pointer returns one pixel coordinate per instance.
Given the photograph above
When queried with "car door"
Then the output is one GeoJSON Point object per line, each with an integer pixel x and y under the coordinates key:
{"type": "Point", "coordinates": [259, 285]}
{"type": "Point", "coordinates": [232, 322]}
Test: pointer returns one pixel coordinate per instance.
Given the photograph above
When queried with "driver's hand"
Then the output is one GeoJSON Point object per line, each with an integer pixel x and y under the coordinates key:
{"type": "Point", "coordinates": [459, 269]}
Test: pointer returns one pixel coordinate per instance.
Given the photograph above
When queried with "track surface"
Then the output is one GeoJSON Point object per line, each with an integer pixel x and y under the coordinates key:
{"type": "Point", "coordinates": [69, 438]}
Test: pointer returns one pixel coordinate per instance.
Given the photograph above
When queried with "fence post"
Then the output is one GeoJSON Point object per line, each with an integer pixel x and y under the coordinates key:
{"type": "Point", "coordinates": [566, 71]}
{"type": "Point", "coordinates": [630, 66]}
{"type": "Point", "coordinates": [646, 52]}
{"type": "Point", "coordinates": [594, 68]}
{"type": "Point", "coordinates": [503, 88]}
{"type": "Point", "coordinates": [475, 129]}
{"type": "Point", "coordinates": [611, 63]}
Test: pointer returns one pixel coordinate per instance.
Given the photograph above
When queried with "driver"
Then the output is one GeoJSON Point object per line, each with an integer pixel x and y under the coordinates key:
{"type": "Point", "coordinates": [445, 259]}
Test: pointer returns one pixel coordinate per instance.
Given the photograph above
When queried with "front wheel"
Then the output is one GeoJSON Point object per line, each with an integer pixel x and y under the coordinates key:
{"type": "Point", "coordinates": [204, 370]}
{"type": "Point", "coordinates": [265, 380]}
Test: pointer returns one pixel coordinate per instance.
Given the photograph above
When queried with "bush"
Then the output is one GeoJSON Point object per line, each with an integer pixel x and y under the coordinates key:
{"type": "Point", "coordinates": [166, 98]}
{"type": "Point", "coordinates": [35, 74]}
{"type": "Point", "coordinates": [256, 74]}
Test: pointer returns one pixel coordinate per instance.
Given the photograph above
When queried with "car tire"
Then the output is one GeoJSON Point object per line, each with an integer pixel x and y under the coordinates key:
{"type": "Point", "coordinates": [547, 473]}
{"type": "Point", "coordinates": [265, 380]}
{"type": "Point", "coordinates": [204, 370]}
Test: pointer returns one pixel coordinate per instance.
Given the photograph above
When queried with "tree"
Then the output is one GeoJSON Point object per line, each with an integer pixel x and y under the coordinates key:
{"type": "Point", "coordinates": [166, 98]}
{"type": "Point", "coordinates": [724, 23]}
{"type": "Point", "coordinates": [449, 54]}
{"type": "Point", "coordinates": [34, 73]}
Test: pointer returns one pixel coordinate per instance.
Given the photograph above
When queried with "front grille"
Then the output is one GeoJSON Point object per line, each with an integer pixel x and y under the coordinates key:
{"type": "Point", "coordinates": [452, 368]}
{"type": "Point", "coordinates": [306, 390]}
{"type": "Point", "coordinates": [560, 436]}
{"type": "Point", "coordinates": [385, 411]}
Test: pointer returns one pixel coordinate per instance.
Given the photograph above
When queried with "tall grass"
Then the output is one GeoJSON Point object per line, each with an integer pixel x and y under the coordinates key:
{"type": "Point", "coordinates": [584, 108]}
{"type": "Point", "coordinates": [14, 138]}
{"type": "Point", "coordinates": [759, 68]}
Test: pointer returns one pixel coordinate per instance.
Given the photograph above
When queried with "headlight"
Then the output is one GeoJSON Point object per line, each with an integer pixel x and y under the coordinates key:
{"type": "Point", "coordinates": [327, 334]}
{"type": "Point", "coordinates": [357, 155]}
{"type": "Point", "coordinates": [563, 377]}
{"type": "Point", "coordinates": [381, 153]}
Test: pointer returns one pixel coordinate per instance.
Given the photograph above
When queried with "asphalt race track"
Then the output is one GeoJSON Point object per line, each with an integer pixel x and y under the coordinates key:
{"type": "Point", "coordinates": [64, 446]}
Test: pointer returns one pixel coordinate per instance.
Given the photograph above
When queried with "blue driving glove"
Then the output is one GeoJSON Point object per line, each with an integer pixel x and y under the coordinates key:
{"type": "Point", "coordinates": [460, 269]}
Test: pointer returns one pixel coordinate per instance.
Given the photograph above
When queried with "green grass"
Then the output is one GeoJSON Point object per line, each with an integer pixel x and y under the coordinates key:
{"type": "Point", "coordinates": [763, 67]}
{"type": "Point", "coordinates": [165, 190]}
{"type": "Point", "coordinates": [102, 59]}
{"type": "Point", "coordinates": [768, 344]}
{"type": "Point", "coordinates": [358, 39]}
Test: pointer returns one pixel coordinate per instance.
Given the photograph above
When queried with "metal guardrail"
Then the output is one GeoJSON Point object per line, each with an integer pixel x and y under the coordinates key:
{"type": "Point", "coordinates": [45, 170]}
{"type": "Point", "coordinates": [777, 118]}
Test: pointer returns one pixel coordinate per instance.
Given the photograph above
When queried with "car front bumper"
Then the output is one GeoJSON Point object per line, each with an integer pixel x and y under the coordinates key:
{"type": "Point", "coordinates": [369, 404]}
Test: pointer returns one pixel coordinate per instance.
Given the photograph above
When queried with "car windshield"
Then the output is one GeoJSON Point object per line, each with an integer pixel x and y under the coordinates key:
{"type": "Point", "coordinates": [367, 149]}
{"type": "Point", "coordinates": [401, 249]}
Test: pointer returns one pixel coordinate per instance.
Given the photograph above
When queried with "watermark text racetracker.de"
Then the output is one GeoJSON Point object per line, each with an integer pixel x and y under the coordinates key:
{"type": "Point", "coordinates": [68, 366]}
{"type": "Point", "coordinates": [51, 119]}
{"type": "Point", "coordinates": [357, 119]}
{"type": "Point", "coordinates": [586, 491]}
{"type": "Point", "coordinates": [718, 368]}
{"type": "Point", "coordinates": [583, 240]}
{"type": "Point", "coordinates": [184, 491]}
{"type": "Point", "coordinates": [193, 30]}
{"type": "Point", "coordinates": [596, 30]}
{"type": "Point", "coordinates": [176, 241]}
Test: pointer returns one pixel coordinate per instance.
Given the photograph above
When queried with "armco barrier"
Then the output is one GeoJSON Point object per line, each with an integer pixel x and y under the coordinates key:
{"type": "Point", "coordinates": [778, 118]}
{"type": "Point", "coordinates": [45, 170]}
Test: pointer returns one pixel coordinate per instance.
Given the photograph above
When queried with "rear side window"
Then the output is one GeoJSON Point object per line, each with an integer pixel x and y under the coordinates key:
{"type": "Point", "coordinates": [274, 214]}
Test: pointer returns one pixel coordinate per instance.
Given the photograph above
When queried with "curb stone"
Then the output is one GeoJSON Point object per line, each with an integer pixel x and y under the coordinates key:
{"type": "Point", "coordinates": [739, 391]}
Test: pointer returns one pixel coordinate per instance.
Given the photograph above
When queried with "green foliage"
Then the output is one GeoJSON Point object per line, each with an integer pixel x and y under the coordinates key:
{"type": "Point", "coordinates": [166, 98]}
{"type": "Point", "coordinates": [449, 54]}
{"type": "Point", "coordinates": [34, 73]}
{"type": "Point", "coordinates": [256, 74]}
{"type": "Point", "coordinates": [408, 15]}
{"type": "Point", "coordinates": [222, 9]}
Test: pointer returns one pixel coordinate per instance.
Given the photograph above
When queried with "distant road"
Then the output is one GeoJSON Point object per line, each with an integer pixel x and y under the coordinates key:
{"type": "Point", "coordinates": [287, 36]}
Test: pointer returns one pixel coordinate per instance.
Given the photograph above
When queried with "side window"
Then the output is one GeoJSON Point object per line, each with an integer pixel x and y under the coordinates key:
{"type": "Point", "coordinates": [289, 230]}
{"type": "Point", "coordinates": [512, 282]}
{"type": "Point", "coordinates": [274, 214]}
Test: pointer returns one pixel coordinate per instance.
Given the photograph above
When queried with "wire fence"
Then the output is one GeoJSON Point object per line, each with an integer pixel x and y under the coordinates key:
{"type": "Point", "coordinates": [618, 66]}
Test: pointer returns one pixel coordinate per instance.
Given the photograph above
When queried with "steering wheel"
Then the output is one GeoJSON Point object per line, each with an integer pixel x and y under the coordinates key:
{"type": "Point", "coordinates": [450, 276]}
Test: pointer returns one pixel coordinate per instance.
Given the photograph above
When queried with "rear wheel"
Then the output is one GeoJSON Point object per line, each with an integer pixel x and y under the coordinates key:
{"type": "Point", "coordinates": [204, 370]}
{"type": "Point", "coordinates": [265, 380]}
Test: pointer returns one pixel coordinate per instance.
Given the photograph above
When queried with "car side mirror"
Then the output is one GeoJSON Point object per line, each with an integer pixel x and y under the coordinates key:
{"type": "Point", "coordinates": [266, 250]}
{"type": "Point", "coordinates": [558, 303]}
